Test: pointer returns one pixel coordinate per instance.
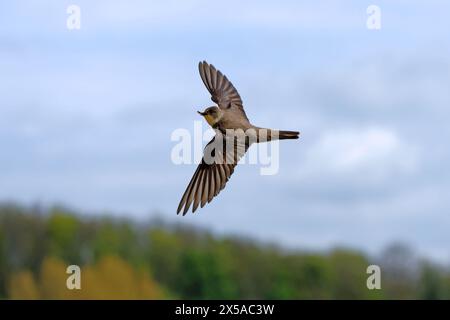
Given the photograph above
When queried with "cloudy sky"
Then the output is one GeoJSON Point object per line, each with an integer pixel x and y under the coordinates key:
{"type": "Point", "coordinates": [86, 115]}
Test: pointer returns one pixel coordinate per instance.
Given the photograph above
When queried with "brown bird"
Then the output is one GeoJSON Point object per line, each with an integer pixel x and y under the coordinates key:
{"type": "Point", "coordinates": [234, 135]}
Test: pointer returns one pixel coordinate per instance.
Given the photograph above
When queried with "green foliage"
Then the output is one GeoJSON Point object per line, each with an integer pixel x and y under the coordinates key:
{"type": "Point", "coordinates": [63, 235]}
{"type": "Point", "coordinates": [122, 260]}
{"type": "Point", "coordinates": [349, 275]}
{"type": "Point", "coordinates": [432, 283]}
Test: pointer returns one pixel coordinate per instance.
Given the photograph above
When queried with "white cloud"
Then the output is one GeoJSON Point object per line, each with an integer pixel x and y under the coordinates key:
{"type": "Point", "coordinates": [372, 153]}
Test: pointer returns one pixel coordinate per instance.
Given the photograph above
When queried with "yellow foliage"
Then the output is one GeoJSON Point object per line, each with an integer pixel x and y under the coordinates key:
{"type": "Point", "coordinates": [22, 286]}
{"type": "Point", "coordinates": [52, 280]}
{"type": "Point", "coordinates": [110, 278]}
{"type": "Point", "coordinates": [113, 278]}
{"type": "Point", "coordinates": [147, 288]}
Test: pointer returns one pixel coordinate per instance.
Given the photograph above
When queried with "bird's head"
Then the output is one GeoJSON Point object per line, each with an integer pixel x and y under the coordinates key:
{"type": "Point", "coordinates": [212, 115]}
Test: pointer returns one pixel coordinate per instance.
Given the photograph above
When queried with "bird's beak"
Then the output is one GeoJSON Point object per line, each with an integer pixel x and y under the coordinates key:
{"type": "Point", "coordinates": [201, 113]}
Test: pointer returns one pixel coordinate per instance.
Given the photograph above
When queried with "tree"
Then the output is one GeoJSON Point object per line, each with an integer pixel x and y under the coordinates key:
{"type": "Point", "coordinates": [22, 286]}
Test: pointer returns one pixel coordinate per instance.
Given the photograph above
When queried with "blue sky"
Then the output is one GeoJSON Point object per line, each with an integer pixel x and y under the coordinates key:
{"type": "Point", "coordinates": [86, 116]}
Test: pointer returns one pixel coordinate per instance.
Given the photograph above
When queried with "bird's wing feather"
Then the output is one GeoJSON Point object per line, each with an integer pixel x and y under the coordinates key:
{"type": "Point", "coordinates": [214, 171]}
{"type": "Point", "coordinates": [221, 89]}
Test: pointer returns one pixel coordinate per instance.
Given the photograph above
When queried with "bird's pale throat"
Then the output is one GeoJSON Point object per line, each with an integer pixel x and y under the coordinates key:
{"type": "Point", "coordinates": [211, 121]}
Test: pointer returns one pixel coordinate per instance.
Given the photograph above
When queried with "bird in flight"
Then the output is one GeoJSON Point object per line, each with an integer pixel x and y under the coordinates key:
{"type": "Point", "coordinates": [234, 135]}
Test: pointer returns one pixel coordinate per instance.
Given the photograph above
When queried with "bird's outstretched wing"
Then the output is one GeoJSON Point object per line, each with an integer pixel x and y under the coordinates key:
{"type": "Point", "coordinates": [220, 156]}
{"type": "Point", "coordinates": [221, 89]}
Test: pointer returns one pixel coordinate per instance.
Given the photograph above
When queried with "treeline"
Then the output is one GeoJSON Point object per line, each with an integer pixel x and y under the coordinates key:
{"type": "Point", "coordinates": [121, 259]}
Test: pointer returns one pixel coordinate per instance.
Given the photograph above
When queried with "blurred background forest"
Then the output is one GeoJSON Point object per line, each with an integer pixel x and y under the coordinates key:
{"type": "Point", "coordinates": [123, 259]}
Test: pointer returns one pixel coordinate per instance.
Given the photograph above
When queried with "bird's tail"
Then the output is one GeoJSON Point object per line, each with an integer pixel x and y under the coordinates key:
{"type": "Point", "coordinates": [284, 134]}
{"type": "Point", "coordinates": [270, 134]}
